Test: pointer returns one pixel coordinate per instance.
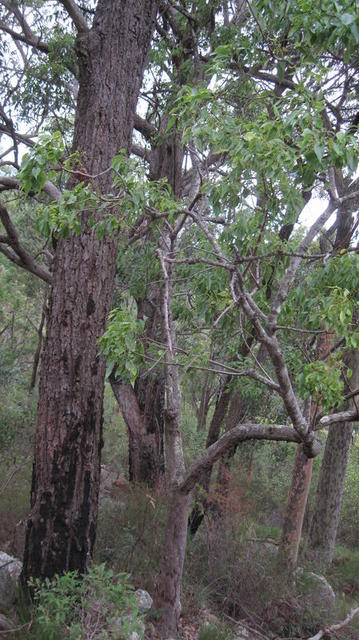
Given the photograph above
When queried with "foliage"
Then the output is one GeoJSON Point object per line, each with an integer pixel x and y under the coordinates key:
{"type": "Point", "coordinates": [121, 344]}
{"type": "Point", "coordinates": [99, 605]}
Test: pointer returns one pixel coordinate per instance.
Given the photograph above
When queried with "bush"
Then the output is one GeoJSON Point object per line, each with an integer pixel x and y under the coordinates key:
{"type": "Point", "coordinates": [99, 605]}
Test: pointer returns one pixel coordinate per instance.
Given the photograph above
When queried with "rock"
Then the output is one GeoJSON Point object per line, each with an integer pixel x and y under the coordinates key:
{"type": "Point", "coordinates": [144, 600]}
{"type": "Point", "coordinates": [10, 569]}
{"type": "Point", "coordinates": [242, 633]}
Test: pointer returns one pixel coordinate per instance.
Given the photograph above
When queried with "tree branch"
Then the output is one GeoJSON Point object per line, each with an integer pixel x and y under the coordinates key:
{"type": "Point", "coordinates": [241, 433]}
{"type": "Point", "coordinates": [291, 271]}
{"type": "Point", "coordinates": [144, 127]}
{"type": "Point", "coordinates": [28, 38]}
{"type": "Point", "coordinates": [76, 15]}
{"type": "Point", "coordinates": [18, 254]}
{"type": "Point", "coordinates": [8, 183]}
{"type": "Point", "coordinates": [341, 416]}
{"type": "Point", "coordinates": [335, 627]}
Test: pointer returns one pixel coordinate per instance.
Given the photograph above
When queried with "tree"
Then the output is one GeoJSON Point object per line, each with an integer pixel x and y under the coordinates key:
{"type": "Point", "coordinates": [260, 131]}
{"type": "Point", "coordinates": [326, 510]}
{"type": "Point", "coordinates": [110, 57]}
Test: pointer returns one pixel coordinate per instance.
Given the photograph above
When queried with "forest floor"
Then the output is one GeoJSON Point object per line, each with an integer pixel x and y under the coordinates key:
{"type": "Point", "coordinates": [230, 572]}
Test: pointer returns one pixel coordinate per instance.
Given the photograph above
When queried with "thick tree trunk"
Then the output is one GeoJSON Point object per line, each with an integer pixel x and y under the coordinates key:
{"type": "Point", "coordinates": [325, 520]}
{"type": "Point", "coordinates": [145, 428]}
{"type": "Point", "coordinates": [326, 511]}
{"type": "Point", "coordinates": [62, 525]}
{"type": "Point", "coordinates": [235, 415]}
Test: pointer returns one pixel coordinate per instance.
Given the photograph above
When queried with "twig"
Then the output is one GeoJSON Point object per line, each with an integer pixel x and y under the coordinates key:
{"type": "Point", "coordinates": [335, 627]}
{"type": "Point", "coordinates": [16, 629]}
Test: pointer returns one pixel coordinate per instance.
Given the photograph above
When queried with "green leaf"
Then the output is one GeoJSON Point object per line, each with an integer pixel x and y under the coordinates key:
{"type": "Point", "coordinates": [347, 18]}
{"type": "Point", "coordinates": [319, 151]}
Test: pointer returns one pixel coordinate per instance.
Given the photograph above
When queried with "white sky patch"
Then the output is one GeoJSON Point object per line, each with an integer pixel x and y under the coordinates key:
{"type": "Point", "coordinates": [312, 211]}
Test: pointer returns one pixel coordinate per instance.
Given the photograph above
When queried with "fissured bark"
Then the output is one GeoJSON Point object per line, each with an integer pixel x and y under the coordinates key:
{"type": "Point", "coordinates": [61, 527]}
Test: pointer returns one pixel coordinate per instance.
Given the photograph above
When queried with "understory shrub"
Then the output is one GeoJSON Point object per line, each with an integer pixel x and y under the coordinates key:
{"type": "Point", "coordinates": [98, 606]}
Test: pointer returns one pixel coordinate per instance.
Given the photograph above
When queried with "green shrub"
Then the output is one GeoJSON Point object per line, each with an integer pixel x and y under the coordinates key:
{"type": "Point", "coordinates": [99, 605]}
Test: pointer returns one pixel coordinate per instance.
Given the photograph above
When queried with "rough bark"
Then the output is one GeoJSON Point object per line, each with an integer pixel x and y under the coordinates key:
{"type": "Point", "coordinates": [235, 415]}
{"type": "Point", "coordinates": [61, 527]}
{"type": "Point", "coordinates": [326, 511]}
{"type": "Point", "coordinates": [294, 515]}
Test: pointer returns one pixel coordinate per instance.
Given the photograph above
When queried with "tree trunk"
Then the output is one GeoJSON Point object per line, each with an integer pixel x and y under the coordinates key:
{"type": "Point", "coordinates": [143, 409]}
{"type": "Point", "coordinates": [169, 580]}
{"type": "Point", "coordinates": [297, 502]}
{"type": "Point", "coordinates": [61, 528]}
{"type": "Point", "coordinates": [324, 526]}
{"type": "Point", "coordinates": [220, 411]}
{"type": "Point", "coordinates": [236, 413]}
{"type": "Point", "coordinates": [301, 481]}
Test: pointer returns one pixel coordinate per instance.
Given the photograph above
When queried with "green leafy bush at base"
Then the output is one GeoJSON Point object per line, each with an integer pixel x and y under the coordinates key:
{"type": "Point", "coordinates": [100, 605]}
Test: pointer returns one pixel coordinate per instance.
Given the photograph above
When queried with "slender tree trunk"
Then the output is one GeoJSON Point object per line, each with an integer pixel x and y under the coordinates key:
{"type": "Point", "coordinates": [220, 411]}
{"type": "Point", "coordinates": [143, 407]}
{"type": "Point", "coordinates": [301, 481]}
{"type": "Point", "coordinates": [61, 528]}
{"type": "Point", "coordinates": [294, 515]}
{"type": "Point", "coordinates": [169, 580]}
{"type": "Point", "coordinates": [235, 415]}
{"type": "Point", "coordinates": [326, 511]}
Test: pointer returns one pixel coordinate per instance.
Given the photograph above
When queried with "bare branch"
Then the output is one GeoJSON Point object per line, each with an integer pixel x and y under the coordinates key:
{"type": "Point", "coordinates": [28, 38]}
{"type": "Point", "coordinates": [241, 433]}
{"type": "Point", "coordinates": [341, 416]}
{"type": "Point", "coordinates": [8, 183]}
{"type": "Point", "coordinates": [144, 127]}
{"type": "Point", "coordinates": [335, 627]}
{"type": "Point", "coordinates": [76, 14]}
{"type": "Point", "coordinates": [140, 152]}
{"type": "Point", "coordinates": [292, 269]}
{"type": "Point", "coordinates": [17, 253]}
{"type": "Point", "coordinates": [166, 304]}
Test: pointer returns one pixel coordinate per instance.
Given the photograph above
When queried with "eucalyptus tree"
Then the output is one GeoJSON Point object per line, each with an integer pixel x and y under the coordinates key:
{"type": "Point", "coordinates": [106, 47]}
{"type": "Point", "coordinates": [284, 137]}
{"type": "Point", "coordinates": [265, 134]}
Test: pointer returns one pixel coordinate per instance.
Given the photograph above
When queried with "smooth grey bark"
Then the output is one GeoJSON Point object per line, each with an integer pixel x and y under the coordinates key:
{"type": "Point", "coordinates": [326, 510]}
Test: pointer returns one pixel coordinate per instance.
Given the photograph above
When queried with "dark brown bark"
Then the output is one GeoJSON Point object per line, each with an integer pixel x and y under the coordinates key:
{"type": "Point", "coordinates": [220, 411]}
{"type": "Point", "coordinates": [62, 525]}
{"type": "Point", "coordinates": [37, 353]}
{"type": "Point", "coordinates": [326, 511]}
{"type": "Point", "coordinates": [235, 415]}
